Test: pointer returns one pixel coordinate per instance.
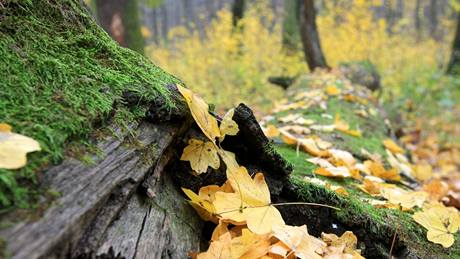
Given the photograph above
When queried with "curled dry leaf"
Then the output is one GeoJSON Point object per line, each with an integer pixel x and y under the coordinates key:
{"type": "Point", "coordinates": [392, 146]}
{"type": "Point", "coordinates": [228, 126]}
{"type": "Point", "coordinates": [344, 127]}
{"type": "Point", "coordinates": [339, 172]}
{"type": "Point", "coordinates": [14, 148]}
{"type": "Point", "coordinates": [299, 241]}
{"type": "Point", "coordinates": [200, 112]}
{"type": "Point", "coordinates": [407, 200]}
{"type": "Point", "coordinates": [201, 154]}
{"type": "Point", "coordinates": [377, 169]}
{"type": "Point", "coordinates": [436, 189]}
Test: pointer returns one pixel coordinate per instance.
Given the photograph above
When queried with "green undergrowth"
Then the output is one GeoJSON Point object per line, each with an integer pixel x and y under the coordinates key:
{"type": "Point", "coordinates": [61, 77]}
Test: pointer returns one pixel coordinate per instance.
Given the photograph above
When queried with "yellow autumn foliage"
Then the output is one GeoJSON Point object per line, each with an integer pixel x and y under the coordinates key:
{"type": "Point", "coordinates": [228, 66]}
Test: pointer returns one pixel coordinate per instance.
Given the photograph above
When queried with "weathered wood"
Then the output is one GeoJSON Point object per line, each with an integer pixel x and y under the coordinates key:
{"type": "Point", "coordinates": [99, 211]}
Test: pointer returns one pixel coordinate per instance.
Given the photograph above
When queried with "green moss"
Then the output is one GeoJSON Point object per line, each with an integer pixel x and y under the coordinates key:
{"type": "Point", "coordinates": [61, 77]}
{"type": "Point", "coordinates": [297, 159]}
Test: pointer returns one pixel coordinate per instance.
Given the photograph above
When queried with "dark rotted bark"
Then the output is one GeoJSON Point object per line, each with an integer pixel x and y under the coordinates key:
{"type": "Point", "coordinates": [310, 36]}
{"type": "Point", "coordinates": [120, 20]}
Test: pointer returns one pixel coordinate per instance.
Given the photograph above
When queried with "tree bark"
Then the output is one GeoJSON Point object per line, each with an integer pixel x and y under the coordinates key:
{"type": "Point", "coordinates": [238, 11]}
{"type": "Point", "coordinates": [433, 19]}
{"type": "Point", "coordinates": [417, 21]}
{"type": "Point", "coordinates": [120, 18]}
{"type": "Point", "coordinates": [310, 36]}
{"type": "Point", "coordinates": [454, 62]}
{"type": "Point", "coordinates": [291, 37]}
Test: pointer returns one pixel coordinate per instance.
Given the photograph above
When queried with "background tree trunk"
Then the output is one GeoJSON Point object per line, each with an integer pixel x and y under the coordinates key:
{"type": "Point", "coordinates": [291, 36]}
{"type": "Point", "coordinates": [433, 19]}
{"type": "Point", "coordinates": [454, 62]}
{"type": "Point", "coordinates": [238, 11]}
{"type": "Point", "coordinates": [310, 37]}
{"type": "Point", "coordinates": [120, 18]}
{"type": "Point", "coordinates": [417, 21]}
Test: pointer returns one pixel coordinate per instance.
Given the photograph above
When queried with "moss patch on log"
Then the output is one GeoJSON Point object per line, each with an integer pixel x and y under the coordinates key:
{"type": "Point", "coordinates": [61, 78]}
{"type": "Point", "coordinates": [375, 227]}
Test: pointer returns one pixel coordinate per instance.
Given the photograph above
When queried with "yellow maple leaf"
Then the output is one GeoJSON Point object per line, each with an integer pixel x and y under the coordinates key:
{"type": "Point", "coordinates": [220, 248]}
{"type": "Point", "coordinates": [200, 112]}
{"type": "Point", "coordinates": [299, 241]}
{"type": "Point", "coordinates": [250, 203]}
{"type": "Point", "coordinates": [332, 90]}
{"type": "Point", "coordinates": [339, 172]}
{"type": "Point", "coordinates": [14, 148]}
{"type": "Point", "coordinates": [441, 223]}
{"type": "Point", "coordinates": [344, 127]}
{"type": "Point", "coordinates": [271, 131]}
{"type": "Point", "coordinates": [407, 200]}
{"type": "Point", "coordinates": [250, 245]}
{"type": "Point", "coordinates": [392, 146]}
{"type": "Point", "coordinates": [345, 244]}
{"type": "Point", "coordinates": [201, 154]}
{"type": "Point", "coordinates": [437, 189]}
{"type": "Point", "coordinates": [228, 126]}
{"type": "Point", "coordinates": [370, 187]}
{"type": "Point", "coordinates": [280, 250]}
{"type": "Point", "coordinates": [422, 171]}
{"type": "Point", "coordinates": [378, 170]}
{"type": "Point", "coordinates": [203, 207]}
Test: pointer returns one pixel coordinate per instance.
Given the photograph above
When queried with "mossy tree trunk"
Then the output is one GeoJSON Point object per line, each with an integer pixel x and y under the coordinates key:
{"type": "Point", "coordinates": [120, 18]}
{"type": "Point", "coordinates": [310, 36]}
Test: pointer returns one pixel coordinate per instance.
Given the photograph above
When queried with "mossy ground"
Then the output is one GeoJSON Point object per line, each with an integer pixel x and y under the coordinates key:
{"type": "Point", "coordinates": [377, 224]}
{"type": "Point", "coordinates": [62, 77]}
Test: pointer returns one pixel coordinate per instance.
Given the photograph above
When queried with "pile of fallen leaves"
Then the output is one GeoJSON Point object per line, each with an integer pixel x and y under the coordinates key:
{"type": "Point", "coordinates": [391, 180]}
{"type": "Point", "coordinates": [248, 224]}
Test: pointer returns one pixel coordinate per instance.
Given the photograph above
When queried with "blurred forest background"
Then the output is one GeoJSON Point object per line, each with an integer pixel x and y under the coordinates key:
{"type": "Point", "coordinates": [227, 49]}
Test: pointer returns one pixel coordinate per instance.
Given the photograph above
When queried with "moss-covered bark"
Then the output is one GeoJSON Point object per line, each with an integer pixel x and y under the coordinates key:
{"type": "Point", "coordinates": [61, 78]}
